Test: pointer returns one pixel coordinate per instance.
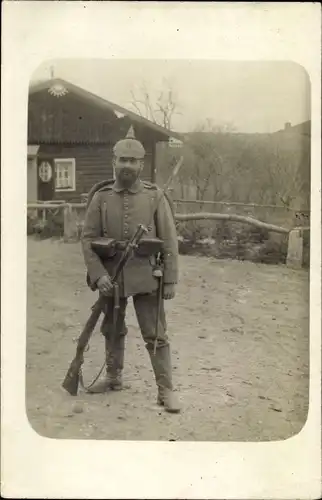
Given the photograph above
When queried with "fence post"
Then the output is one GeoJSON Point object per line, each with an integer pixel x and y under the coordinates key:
{"type": "Point", "coordinates": [295, 249]}
{"type": "Point", "coordinates": [70, 224]}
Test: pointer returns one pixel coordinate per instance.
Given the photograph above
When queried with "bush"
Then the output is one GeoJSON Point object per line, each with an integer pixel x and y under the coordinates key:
{"type": "Point", "coordinates": [51, 227]}
{"type": "Point", "coordinates": [192, 231]}
{"type": "Point", "coordinates": [252, 234]}
{"type": "Point", "coordinates": [233, 241]}
{"type": "Point", "coordinates": [223, 231]}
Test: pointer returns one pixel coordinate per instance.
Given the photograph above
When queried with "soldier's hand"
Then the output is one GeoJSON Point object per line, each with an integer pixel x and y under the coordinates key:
{"type": "Point", "coordinates": [105, 285]}
{"type": "Point", "coordinates": [168, 291]}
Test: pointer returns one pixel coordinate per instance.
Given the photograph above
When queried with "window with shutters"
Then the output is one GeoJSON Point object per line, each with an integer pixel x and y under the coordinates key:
{"type": "Point", "coordinates": [65, 174]}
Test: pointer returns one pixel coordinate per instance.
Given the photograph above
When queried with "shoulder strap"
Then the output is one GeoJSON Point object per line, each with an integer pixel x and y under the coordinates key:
{"type": "Point", "coordinates": [150, 185]}
{"type": "Point", "coordinates": [98, 187]}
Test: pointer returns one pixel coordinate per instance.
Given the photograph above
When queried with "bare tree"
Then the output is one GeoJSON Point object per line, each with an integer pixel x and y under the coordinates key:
{"type": "Point", "coordinates": [159, 109]}
{"type": "Point", "coordinates": [289, 170]}
{"type": "Point", "coordinates": [206, 166]}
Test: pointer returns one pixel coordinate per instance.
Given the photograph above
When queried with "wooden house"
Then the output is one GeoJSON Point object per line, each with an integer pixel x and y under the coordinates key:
{"type": "Point", "coordinates": [71, 134]}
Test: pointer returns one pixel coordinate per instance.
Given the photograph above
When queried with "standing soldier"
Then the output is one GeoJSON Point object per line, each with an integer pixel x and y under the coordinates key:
{"type": "Point", "coordinates": [115, 211]}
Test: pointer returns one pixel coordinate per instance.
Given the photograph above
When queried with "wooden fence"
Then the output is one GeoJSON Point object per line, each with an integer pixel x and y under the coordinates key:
{"type": "Point", "coordinates": [279, 215]}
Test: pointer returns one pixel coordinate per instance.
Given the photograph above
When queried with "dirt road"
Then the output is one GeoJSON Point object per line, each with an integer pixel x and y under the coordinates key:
{"type": "Point", "coordinates": [239, 335]}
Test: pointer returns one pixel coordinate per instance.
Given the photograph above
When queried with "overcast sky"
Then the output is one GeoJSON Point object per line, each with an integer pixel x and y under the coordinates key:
{"type": "Point", "coordinates": [253, 96]}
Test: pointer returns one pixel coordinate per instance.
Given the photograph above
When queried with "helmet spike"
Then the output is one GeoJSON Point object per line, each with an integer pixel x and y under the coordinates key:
{"type": "Point", "coordinates": [130, 133]}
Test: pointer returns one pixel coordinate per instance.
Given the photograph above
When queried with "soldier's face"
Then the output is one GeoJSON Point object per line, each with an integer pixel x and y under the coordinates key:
{"type": "Point", "coordinates": [127, 169]}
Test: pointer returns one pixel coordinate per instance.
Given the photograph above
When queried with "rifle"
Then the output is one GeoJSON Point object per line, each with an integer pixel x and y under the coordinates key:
{"type": "Point", "coordinates": [72, 378]}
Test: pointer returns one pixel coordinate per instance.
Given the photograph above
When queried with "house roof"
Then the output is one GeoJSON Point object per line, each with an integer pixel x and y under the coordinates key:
{"type": "Point", "coordinates": [32, 150]}
{"type": "Point", "coordinates": [101, 103]}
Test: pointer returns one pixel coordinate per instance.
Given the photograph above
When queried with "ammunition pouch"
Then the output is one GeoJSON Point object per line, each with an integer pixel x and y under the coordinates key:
{"type": "Point", "coordinates": [107, 248]}
{"type": "Point", "coordinates": [148, 247]}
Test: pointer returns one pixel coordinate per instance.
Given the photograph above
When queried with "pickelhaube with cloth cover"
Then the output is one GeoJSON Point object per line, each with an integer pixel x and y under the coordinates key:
{"type": "Point", "coordinates": [129, 147]}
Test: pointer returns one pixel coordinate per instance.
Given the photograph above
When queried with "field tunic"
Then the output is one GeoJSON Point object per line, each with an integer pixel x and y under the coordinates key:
{"type": "Point", "coordinates": [115, 212]}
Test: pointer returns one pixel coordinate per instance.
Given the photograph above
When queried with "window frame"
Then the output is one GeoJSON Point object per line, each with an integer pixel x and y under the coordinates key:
{"type": "Point", "coordinates": [72, 163]}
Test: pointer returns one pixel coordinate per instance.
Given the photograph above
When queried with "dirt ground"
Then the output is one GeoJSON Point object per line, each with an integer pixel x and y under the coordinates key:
{"type": "Point", "coordinates": [239, 334]}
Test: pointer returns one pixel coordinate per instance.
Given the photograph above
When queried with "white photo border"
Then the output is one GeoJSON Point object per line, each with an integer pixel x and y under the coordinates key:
{"type": "Point", "coordinates": [39, 467]}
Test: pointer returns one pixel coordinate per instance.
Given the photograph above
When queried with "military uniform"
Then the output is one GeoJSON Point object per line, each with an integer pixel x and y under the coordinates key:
{"type": "Point", "coordinates": [115, 212]}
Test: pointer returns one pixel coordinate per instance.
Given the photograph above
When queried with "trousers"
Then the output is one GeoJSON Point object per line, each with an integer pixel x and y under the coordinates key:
{"type": "Point", "coordinates": [145, 306]}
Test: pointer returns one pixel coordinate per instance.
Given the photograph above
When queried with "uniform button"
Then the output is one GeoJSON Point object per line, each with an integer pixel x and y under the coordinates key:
{"type": "Point", "coordinates": [126, 216]}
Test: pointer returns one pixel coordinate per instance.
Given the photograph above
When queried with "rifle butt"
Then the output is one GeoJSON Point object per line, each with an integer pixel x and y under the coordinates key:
{"type": "Point", "coordinates": [71, 381]}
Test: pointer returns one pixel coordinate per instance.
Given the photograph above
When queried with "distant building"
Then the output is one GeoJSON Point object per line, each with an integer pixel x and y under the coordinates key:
{"type": "Point", "coordinates": [303, 128]}
{"type": "Point", "coordinates": [71, 133]}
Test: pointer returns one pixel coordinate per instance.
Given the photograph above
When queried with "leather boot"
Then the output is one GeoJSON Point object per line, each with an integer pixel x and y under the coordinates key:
{"type": "Point", "coordinates": [161, 364]}
{"type": "Point", "coordinates": [114, 367]}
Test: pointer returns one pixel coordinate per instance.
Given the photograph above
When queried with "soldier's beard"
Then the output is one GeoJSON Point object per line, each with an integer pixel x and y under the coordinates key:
{"type": "Point", "coordinates": [127, 177]}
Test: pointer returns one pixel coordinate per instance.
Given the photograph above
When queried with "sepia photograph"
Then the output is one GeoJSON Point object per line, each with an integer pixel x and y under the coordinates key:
{"type": "Point", "coordinates": [168, 222]}
{"type": "Point", "coordinates": [161, 250]}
